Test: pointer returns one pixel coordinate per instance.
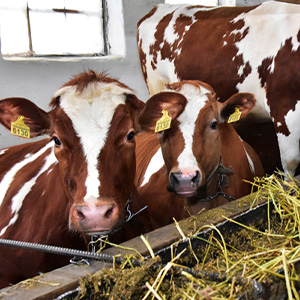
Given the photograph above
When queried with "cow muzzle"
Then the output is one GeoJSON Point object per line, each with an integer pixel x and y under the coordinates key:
{"type": "Point", "coordinates": [98, 217]}
{"type": "Point", "coordinates": [184, 184]}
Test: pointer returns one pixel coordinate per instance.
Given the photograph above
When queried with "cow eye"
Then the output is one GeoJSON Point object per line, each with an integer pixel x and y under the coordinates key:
{"type": "Point", "coordinates": [57, 141]}
{"type": "Point", "coordinates": [130, 136]}
{"type": "Point", "coordinates": [214, 125]}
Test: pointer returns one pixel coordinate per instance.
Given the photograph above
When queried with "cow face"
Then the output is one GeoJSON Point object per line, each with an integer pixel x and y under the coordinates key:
{"type": "Point", "coordinates": [191, 147]}
{"type": "Point", "coordinates": [92, 127]}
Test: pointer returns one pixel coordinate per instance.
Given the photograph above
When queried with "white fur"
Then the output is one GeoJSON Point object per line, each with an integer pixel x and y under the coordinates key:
{"type": "Point", "coordinates": [250, 161]}
{"type": "Point", "coordinates": [91, 112]}
{"type": "Point", "coordinates": [9, 176]}
{"type": "Point", "coordinates": [17, 200]}
{"type": "Point", "coordinates": [2, 151]}
{"type": "Point", "coordinates": [289, 145]}
{"type": "Point", "coordinates": [261, 25]}
{"type": "Point", "coordinates": [156, 163]}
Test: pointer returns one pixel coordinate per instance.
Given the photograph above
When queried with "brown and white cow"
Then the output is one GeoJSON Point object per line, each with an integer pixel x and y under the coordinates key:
{"type": "Point", "coordinates": [234, 49]}
{"type": "Point", "coordinates": [77, 182]}
{"type": "Point", "coordinates": [196, 156]}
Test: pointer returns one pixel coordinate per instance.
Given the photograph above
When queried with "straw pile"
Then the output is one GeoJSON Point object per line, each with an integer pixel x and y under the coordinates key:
{"type": "Point", "coordinates": [264, 255]}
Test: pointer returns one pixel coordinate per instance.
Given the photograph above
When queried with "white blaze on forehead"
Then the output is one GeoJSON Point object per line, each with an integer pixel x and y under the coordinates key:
{"type": "Point", "coordinates": [197, 99]}
{"type": "Point", "coordinates": [17, 200]}
{"type": "Point", "coordinates": [91, 113]}
{"type": "Point", "coordinates": [269, 26]}
{"type": "Point", "coordinates": [10, 175]}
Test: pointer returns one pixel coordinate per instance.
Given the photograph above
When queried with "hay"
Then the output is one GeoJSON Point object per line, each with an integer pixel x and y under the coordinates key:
{"type": "Point", "coordinates": [227, 267]}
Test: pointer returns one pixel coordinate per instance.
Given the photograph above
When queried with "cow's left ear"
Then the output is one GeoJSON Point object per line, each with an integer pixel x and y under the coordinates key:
{"type": "Point", "coordinates": [134, 106]}
{"type": "Point", "coordinates": [244, 102]}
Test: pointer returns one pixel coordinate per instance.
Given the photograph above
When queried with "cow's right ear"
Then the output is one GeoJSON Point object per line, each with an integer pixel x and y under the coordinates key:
{"type": "Point", "coordinates": [34, 117]}
{"type": "Point", "coordinates": [173, 103]}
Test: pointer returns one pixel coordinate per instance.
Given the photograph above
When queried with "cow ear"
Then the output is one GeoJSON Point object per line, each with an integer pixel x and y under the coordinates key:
{"type": "Point", "coordinates": [134, 106]}
{"type": "Point", "coordinates": [173, 103]}
{"type": "Point", "coordinates": [34, 117]}
{"type": "Point", "coordinates": [243, 101]}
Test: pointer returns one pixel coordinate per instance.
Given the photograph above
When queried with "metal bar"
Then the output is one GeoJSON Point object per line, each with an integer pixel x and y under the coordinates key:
{"type": "Point", "coordinates": [29, 30]}
{"type": "Point", "coordinates": [105, 26]}
{"type": "Point", "coordinates": [62, 251]}
{"type": "Point", "coordinates": [66, 10]}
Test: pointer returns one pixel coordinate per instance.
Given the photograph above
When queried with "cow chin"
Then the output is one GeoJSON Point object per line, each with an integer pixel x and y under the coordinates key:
{"type": "Point", "coordinates": [183, 192]}
{"type": "Point", "coordinates": [190, 193]}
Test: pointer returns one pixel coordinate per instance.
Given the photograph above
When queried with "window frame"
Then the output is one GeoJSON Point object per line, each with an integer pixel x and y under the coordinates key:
{"type": "Point", "coordinates": [113, 37]}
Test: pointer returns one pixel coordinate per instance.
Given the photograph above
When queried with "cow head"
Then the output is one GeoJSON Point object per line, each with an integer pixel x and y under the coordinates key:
{"type": "Point", "coordinates": [191, 147]}
{"type": "Point", "coordinates": [92, 126]}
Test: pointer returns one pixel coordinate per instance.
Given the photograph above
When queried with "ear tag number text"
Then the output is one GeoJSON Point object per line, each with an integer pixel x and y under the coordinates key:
{"type": "Point", "coordinates": [164, 122]}
{"type": "Point", "coordinates": [234, 117]}
{"type": "Point", "coordinates": [19, 128]}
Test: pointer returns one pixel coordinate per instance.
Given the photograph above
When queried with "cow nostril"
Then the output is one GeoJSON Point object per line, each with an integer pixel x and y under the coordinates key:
{"type": "Point", "coordinates": [108, 213]}
{"type": "Point", "coordinates": [79, 213]}
{"type": "Point", "coordinates": [173, 179]}
{"type": "Point", "coordinates": [196, 178]}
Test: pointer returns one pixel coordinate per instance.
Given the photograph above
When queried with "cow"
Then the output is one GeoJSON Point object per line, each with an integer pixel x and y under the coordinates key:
{"type": "Point", "coordinates": [235, 49]}
{"type": "Point", "coordinates": [77, 182]}
{"type": "Point", "coordinates": [199, 157]}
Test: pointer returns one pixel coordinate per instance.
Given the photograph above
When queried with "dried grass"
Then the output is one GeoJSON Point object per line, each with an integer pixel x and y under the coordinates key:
{"type": "Point", "coordinates": [224, 268]}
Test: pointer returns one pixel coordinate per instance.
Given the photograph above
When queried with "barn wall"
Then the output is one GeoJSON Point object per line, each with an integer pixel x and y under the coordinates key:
{"type": "Point", "coordinates": [38, 80]}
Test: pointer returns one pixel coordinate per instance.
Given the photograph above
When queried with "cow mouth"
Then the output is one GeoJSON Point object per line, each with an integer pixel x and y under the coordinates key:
{"type": "Point", "coordinates": [188, 192]}
{"type": "Point", "coordinates": [104, 232]}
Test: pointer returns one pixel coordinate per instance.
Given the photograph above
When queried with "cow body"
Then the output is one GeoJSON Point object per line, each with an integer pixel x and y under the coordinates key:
{"type": "Point", "coordinates": [234, 49]}
{"type": "Point", "coordinates": [78, 182]}
{"type": "Point", "coordinates": [200, 158]}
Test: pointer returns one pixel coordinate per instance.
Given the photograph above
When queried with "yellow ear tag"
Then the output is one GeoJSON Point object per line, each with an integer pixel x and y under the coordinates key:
{"type": "Point", "coordinates": [235, 116]}
{"type": "Point", "coordinates": [164, 122]}
{"type": "Point", "coordinates": [19, 128]}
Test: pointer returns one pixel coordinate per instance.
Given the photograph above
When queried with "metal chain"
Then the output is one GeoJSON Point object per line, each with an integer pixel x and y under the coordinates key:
{"type": "Point", "coordinates": [219, 192]}
{"type": "Point", "coordinates": [129, 214]}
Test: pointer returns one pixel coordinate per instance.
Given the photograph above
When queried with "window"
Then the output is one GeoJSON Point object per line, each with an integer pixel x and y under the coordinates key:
{"type": "Point", "coordinates": [34, 28]}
